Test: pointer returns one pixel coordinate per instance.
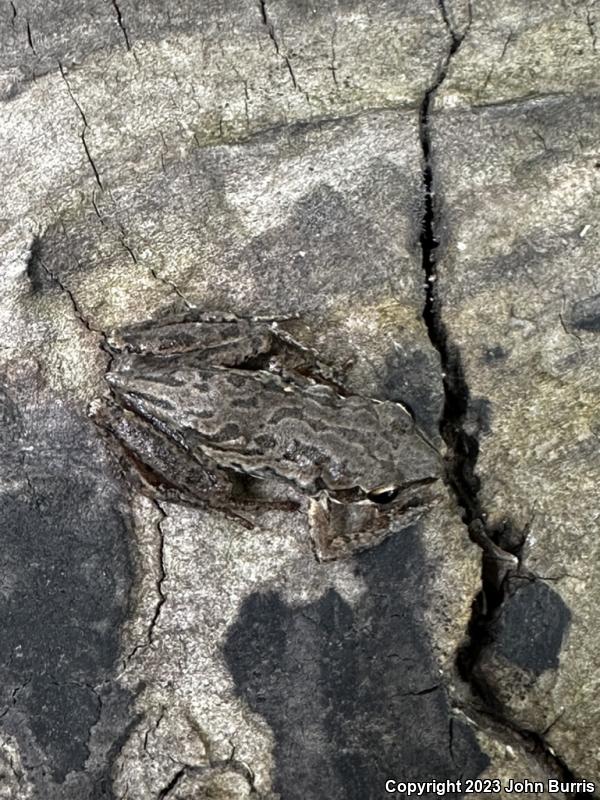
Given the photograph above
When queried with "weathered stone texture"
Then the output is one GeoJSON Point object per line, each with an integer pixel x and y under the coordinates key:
{"type": "Point", "coordinates": [267, 158]}
{"type": "Point", "coordinates": [517, 177]}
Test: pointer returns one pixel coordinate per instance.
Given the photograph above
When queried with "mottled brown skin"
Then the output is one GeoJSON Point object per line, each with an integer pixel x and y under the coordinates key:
{"type": "Point", "coordinates": [206, 402]}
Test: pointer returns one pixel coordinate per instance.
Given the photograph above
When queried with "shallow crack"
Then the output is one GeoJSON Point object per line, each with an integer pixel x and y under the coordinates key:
{"type": "Point", "coordinates": [84, 129]}
{"type": "Point", "coordinates": [122, 236]}
{"type": "Point", "coordinates": [30, 485]}
{"type": "Point", "coordinates": [501, 547]}
{"type": "Point", "coordinates": [333, 67]}
{"type": "Point", "coordinates": [157, 277]}
{"type": "Point", "coordinates": [213, 766]}
{"type": "Point", "coordinates": [268, 25]}
{"type": "Point", "coordinates": [115, 5]}
{"type": "Point", "coordinates": [534, 743]}
{"type": "Point", "coordinates": [591, 26]}
{"type": "Point", "coordinates": [162, 597]}
{"type": "Point", "coordinates": [271, 31]}
{"type": "Point", "coordinates": [35, 258]}
{"type": "Point", "coordinates": [217, 767]}
{"type": "Point", "coordinates": [162, 573]}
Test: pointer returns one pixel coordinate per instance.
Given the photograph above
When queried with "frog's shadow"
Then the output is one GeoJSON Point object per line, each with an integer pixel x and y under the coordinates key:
{"type": "Point", "coordinates": [352, 693]}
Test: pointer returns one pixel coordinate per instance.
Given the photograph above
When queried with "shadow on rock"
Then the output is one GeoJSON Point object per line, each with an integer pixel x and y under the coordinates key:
{"type": "Point", "coordinates": [65, 576]}
{"type": "Point", "coordinates": [352, 694]}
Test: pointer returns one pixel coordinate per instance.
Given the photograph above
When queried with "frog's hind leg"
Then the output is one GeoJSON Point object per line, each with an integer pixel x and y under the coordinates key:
{"type": "Point", "coordinates": [201, 341]}
{"type": "Point", "coordinates": [161, 470]}
{"type": "Point", "coordinates": [155, 461]}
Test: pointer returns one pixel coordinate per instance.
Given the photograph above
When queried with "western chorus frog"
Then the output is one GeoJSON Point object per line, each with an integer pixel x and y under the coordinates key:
{"type": "Point", "coordinates": [205, 405]}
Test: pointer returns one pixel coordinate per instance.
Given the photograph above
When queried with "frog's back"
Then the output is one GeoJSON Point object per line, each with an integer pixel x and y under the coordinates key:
{"type": "Point", "coordinates": [259, 423]}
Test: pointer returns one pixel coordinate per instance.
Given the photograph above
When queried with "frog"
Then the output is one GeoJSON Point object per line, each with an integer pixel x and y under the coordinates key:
{"type": "Point", "coordinates": [215, 410]}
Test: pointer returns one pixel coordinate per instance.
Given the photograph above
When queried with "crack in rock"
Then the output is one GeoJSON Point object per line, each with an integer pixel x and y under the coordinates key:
{"type": "Point", "coordinates": [121, 22]}
{"type": "Point", "coordinates": [162, 573]}
{"type": "Point", "coordinates": [501, 549]}
{"type": "Point", "coordinates": [84, 129]}
{"type": "Point", "coordinates": [271, 31]}
{"type": "Point", "coordinates": [215, 767]}
{"type": "Point", "coordinates": [36, 258]}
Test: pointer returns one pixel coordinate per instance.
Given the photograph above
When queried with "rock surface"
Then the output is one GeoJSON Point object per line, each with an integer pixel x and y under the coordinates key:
{"type": "Point", "coordinates": [273, 158]}
{"type": "Point", "coordinates": [517, 284]}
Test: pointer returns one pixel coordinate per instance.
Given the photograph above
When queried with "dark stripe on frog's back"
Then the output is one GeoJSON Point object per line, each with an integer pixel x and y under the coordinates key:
{"type": "Point", "coordinates": [306, 438]}
{"type": "Point", "coordinates": [242, 402]}
{"type": "Point", "coordinates": [285, 412]}
{"type": "Point", "coordinates": [351, 437]}
{"type": "Point", "coordinates": [321, 409]}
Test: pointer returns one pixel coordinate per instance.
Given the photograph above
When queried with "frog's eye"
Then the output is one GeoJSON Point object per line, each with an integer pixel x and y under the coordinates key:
{"type": "Point", "coordinates": [383, 494]}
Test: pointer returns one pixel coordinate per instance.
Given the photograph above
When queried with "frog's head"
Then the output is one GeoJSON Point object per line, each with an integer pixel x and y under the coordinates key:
{"type": "Point", "coordinates": [340, 528]}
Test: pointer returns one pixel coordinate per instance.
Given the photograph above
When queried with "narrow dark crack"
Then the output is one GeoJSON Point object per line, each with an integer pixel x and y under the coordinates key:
{"type": "Point", "coordinates": [533, 743]}
{"type": "Point", "coordinates": [214, 766]}
{"type": "Point", "coordinates": [162, 597]}
{"type": "Point", "coordinates": [90, 159]}
{"type": "Point", "coordinates": [591, 25]}
{"type": "Point", "coordinates": [162, 573]}
{"type": "Point", "coordinates": [84, 129]}
{"type": "Point", "coordinates": [268, 25]}
{"type": "Point", "coordinates": [333, 67]}
{"type": "Point", "coordinates": [115, 5]}
{"type": "Point", "coordinates": [97, 211]}
{"type": "Point", "coordinates": [36, 258]}
{"type": "Point", "coordinates": [30, 37]}
{"type": "Point", "coordinates": [463, 449]}
{"type": "Point", "coordinates": [456, 38]}
{"type": "Point", "coordinates": [501, 547]}
{"type": "Point", "coordinates": [131, 253]}
{"type": "Point", "coordinates": [271, 31]}
{"type": "Point", "coordinates": [172, 784]}
{"type": "Point", "coordinates": [165, 281]}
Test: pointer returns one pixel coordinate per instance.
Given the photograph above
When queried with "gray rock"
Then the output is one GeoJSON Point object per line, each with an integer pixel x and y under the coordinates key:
{"type": "Point", "coordinates": [516, 175]}
{"type": "Point", "coordinates": [268, 159]}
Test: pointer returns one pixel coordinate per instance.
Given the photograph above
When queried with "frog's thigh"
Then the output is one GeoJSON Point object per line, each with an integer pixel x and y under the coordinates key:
{"type": "Point", "coordinates": [225, 343]}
